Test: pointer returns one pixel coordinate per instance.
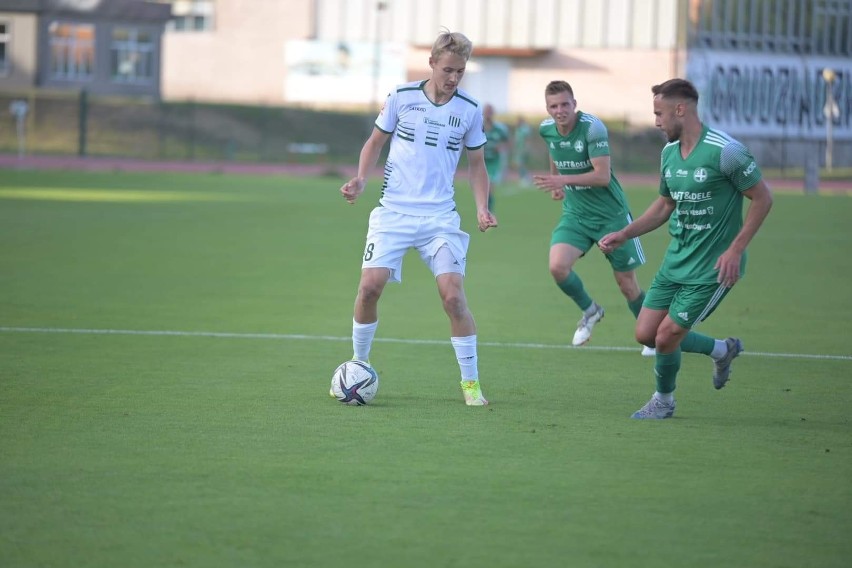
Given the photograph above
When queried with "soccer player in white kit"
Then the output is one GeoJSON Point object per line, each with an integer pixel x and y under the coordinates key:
{"type": "Point", "coordinates": [429, 123]}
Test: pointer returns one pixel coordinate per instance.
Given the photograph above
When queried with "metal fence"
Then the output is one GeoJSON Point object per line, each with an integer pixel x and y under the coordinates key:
{"type": "Point", "coordinates": [77, 124]}
{"type": "Point", "coordinates": [66, 124]}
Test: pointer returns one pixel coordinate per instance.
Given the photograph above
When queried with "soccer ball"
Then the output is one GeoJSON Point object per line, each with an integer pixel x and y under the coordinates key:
{"type": "Point", "coordinates": [354, 383]}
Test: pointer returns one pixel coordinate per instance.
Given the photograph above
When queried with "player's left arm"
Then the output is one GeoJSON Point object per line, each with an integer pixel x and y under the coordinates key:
{"type": "Point", "coordinates": [480, 185]}
{"type": "Point", "coordinates": [728, 265]}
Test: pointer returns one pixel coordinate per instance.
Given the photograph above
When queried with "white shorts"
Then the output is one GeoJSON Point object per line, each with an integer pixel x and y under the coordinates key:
{"type": "Point", "coordinates": [390, 235]}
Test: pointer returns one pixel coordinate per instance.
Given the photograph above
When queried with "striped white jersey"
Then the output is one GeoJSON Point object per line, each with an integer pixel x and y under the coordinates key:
{"type": "Point", "coordinates": [426, 144]}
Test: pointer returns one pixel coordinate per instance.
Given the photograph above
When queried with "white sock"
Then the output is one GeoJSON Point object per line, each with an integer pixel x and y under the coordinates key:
{"type": "Point", "coordinates": [720, 349]}
{"type": "Point", "coordinates": [466, 355]}
{"type": "Point", "coordinates": [591, 309]}
{"type": "Point", "coordinates": [668, 397]}
{"type": "Point", "coordinates": [362, 339]}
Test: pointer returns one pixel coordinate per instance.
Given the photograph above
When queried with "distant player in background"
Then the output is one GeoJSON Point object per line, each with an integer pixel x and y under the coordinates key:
{"type": "Point", "coordinates": [429, 123]}
{"type": "Point", "coordinates": [520, 150]}
{"type": "Point", "coordinates": [496, 150]}
{"type": "Point", "coordinates": [704, 175]}
{"type": "Point", "coordinates": [593, 204]}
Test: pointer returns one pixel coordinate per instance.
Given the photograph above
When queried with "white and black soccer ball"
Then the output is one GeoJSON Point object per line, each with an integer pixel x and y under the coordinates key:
{"type": "Point", "coordinates": [354, 383]}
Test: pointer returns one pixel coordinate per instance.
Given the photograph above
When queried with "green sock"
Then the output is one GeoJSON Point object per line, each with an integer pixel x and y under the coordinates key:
{"type": "Point", "coordinates": [636, 305]}
{"type": "Point", "coordinates": [573, 287]}
{"type": "Point", "coordinates": [697, 343]}
{"type": "Point", "coordinates": [666, 369]}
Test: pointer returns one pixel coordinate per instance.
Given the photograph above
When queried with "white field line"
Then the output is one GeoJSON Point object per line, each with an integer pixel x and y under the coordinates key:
{"type": "Point", "coordinates": [287, 336]}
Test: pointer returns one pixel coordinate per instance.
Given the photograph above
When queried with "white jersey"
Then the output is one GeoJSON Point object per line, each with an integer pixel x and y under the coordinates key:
{"type": "Point", "coordinates": [426, 144]}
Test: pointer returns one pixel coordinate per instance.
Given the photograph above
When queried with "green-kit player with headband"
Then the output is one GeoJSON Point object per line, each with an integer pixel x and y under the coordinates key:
{"type": "Point", "coordinates": [704, 175]}
{"type": "Point", "coordinates": [593, 204]}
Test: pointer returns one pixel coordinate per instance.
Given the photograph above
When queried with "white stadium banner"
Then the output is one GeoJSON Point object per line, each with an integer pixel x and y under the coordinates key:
{"type": "Point", "coordinates": [342, 71]}
{"type": "Point", "coordinates": [772, 96]}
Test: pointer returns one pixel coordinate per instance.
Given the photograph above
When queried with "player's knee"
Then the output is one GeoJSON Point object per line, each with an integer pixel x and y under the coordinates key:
{"type": "Point", "coordinates": [559, 272]}
{"type": "Point", "coordinates": [645, 338]}
{"type": "Point", "coordinates": [665, 341]}
{"type": "Point", "coordinates": [454, 303]}
{"type": "Point", "coordinates": [369, 292]}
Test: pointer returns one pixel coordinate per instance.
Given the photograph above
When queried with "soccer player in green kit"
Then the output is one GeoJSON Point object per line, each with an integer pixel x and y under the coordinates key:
{"type": "Point", "coordinates": [704, 175]}
{"type": "Point", "coordinates": [496, 149]}
{"type": "Point", "coordinates": [593, 204]}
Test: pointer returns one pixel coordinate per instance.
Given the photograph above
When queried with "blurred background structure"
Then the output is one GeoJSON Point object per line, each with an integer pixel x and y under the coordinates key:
{"type": "Point", "coordinates": [301, 80]}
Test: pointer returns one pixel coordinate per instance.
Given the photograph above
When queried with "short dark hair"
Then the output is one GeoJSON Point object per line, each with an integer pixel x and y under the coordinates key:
{"type": "Point", "coordinates": [676, 89]}
{"type": "Point", "coordinates": [555, 87]}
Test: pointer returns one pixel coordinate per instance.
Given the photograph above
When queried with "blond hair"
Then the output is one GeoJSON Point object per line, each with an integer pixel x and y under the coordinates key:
{"type": "Point", "coordinates": [452, 42]}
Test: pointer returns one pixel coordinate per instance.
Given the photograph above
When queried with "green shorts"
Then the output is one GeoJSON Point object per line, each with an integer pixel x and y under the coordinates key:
{"type": "Point", "coordinates": [688, 305]}
{"type": "Point", "coordinates": [583, 236]}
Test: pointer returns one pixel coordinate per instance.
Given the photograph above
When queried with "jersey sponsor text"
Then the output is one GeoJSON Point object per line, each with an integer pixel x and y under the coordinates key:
{"type": "Point", "coordinates": [691, 196]}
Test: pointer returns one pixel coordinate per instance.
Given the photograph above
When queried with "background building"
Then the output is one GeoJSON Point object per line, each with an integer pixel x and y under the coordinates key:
{"type": "Point", "coordinates": [106, 47]}
{"type": "Point", "coordinates": [351, 52]}
{"type": "Point", "coordinates": [775, 73]}
{"type": "Point", "coordinates": [758, 63]}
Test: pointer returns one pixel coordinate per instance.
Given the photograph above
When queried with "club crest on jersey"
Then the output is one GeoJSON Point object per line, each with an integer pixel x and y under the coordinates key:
{"type": "Point", "coordinates": [578, 146]}
{"type": "Point", "coordinates": [699, 175]}
{"type": "Point", "coordinates": [454, 120]}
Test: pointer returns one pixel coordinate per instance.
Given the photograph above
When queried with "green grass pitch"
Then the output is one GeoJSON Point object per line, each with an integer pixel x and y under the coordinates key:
{"type": "Point", "coordinates": [167, 343]}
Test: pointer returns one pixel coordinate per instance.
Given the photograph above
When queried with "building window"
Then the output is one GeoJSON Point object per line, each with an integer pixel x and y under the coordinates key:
{"type": "Point", "coordinates": [72, 51]}
{"type": "Point", "coordinates": [192, 15]}
{"type": "Point", "coordinates": [5, 46]}
{"type": "Point", "coordinates": [131, 56]}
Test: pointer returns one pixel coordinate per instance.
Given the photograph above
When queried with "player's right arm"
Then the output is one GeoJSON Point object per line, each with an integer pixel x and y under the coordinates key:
{"type": "Point", "coordinates": [657, 213]}
{"type": "Point", "coordinates": [599, 176]}
{"type": "Point", "coordinates": [557, 194]}
{"type": "Point", "coordinates": [367, 160]}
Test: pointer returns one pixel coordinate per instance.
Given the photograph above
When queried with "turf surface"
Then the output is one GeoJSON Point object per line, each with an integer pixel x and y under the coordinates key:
{"type": "Point", "coordinates": [166, 343]}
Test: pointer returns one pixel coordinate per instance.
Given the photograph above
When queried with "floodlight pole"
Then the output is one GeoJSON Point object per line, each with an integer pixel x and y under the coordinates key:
{"type": "Point", "coordinates": [377, 57]}
{"type": "Point", "coordinates": [829, 111]}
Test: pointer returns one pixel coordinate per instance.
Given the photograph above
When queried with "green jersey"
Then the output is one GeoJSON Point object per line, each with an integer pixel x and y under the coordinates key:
{"type": "Point", "coordinates": [572, 154]}
{"type": "Point", "coordinates": [707, 187]}
{"type": "Point", "coordinates": [496, 136]}
{"type": "Point", "coordinates": [522, 132]}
